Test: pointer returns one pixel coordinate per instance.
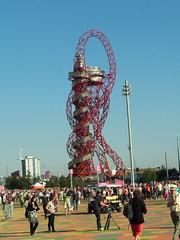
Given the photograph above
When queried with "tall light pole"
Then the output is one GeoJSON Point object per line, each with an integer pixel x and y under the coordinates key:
{"type": "Point", "coordinates": [126, 91]}
{"type": "Point", "coordinates": [71, 180]}
{"type": "Point", "coordinates": [178, 154]}
{"type": "Point", "coordinates": [58, 176]}
{"type": "Point", "coordinates": [167, 174]}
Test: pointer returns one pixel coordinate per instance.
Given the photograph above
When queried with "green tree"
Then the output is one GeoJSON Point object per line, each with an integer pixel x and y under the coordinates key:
{"type": "Point", "coordinates": [36, 179]}
{"type": "Point", "coordinates": [17, 183]}
{"type": "Point", "coordinates": [53, 182]}
{"type": "Point", "coordinates": [63, 181]}
{"type": "Point", "coordinates": [148, 176]}
{"type": "Point", "coordinates": [161, 173]}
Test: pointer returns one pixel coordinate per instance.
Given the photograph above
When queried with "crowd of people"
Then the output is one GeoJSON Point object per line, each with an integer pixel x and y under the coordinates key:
{"type": "Point", "coordinates": [48, 200]}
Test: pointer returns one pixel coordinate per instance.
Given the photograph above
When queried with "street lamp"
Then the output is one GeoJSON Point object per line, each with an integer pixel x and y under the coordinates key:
{"type": "Point", "coordinates": [178, 154]}
{"type": "Point", "coordinates": [166, 163]}
{"type": "Point", "coordinates": [126, 91]}
{"type": "Point", "coordinates": [71, 180]}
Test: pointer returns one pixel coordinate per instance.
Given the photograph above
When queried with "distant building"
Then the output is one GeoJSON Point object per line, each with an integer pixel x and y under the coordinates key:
{"type": "Point", "coordinates": [141, 170]}
{"type": "Point", "coordinates": [47, 175]}
{"type": "Point", "coordinates": [15, 174]}
{"type": "Point", "coordinates": [31, 165]}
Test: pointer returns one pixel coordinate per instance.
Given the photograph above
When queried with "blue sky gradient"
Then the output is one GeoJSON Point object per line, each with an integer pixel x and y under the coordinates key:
{"type": "Point", "coordinates": [37, 46]}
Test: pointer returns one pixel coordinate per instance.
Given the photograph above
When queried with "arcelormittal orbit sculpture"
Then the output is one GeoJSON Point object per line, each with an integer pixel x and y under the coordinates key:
{"type": "Point", "coordinates": [87, 109]}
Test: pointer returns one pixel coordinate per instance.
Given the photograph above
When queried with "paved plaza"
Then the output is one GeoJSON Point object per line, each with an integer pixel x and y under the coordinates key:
{"type": "Point", "coordinates": [82, 226]}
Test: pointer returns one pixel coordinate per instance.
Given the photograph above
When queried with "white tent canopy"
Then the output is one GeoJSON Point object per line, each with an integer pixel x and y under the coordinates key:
{"type": "Point", "coordinates": [37, 185]}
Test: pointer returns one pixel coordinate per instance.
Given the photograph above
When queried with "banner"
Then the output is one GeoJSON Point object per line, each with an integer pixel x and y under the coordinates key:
{"type": "Point", "coordinates": [71, 171]}
{"type": "Point", "coordinates": [119, 182]}
{"type": "Point", "coordinates": [103, 184]}
{"type": "Point", "coordinates": [98, 169]}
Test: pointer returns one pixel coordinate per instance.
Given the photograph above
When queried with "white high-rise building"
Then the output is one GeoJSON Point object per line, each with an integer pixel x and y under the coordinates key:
{"type": "Point", "coordinates": [31, 165]}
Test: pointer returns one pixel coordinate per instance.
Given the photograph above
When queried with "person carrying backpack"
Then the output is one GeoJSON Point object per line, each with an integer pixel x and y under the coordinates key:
{"type": "Point", "coordinates": [137, 218]}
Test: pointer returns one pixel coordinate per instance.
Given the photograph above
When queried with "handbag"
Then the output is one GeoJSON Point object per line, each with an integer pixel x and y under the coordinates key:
{"type": "Point", "coordinates": [33, 216]}
{"type": "Point", "coordinates": [128, 210]}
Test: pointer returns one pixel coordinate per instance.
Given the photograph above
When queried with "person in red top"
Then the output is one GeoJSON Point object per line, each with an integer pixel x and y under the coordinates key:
{"type": "Point", "coordinates": [148, 191]}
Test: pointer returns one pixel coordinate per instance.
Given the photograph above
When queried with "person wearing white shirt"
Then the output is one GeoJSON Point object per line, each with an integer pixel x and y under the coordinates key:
{"type": "Point", "coordinates": [174, 204]}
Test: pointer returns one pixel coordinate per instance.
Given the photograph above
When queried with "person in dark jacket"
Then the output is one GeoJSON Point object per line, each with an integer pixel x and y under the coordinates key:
{"type": "Point", "coordinates": [33, 207]}
{"type": "Point", "coordinates": [97, 204]}
{"type": "Point", "coordinates": [139, 209]}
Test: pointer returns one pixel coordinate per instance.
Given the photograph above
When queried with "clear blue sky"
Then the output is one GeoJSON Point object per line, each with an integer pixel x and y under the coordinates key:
{"type": "Point", "coordinates": [37, 47]}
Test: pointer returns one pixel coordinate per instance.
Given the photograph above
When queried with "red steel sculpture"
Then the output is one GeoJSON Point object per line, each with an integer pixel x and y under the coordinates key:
{"type": "Point", "coordinates": [87, 109]}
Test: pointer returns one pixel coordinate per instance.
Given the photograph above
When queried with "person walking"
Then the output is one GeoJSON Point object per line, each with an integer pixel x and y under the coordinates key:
{"type": "Point", "coordinates": [173, 203]}
{"type": "Point", "coordinates": [67, 201]}
{"type": "Point", "coordinates": [32, 215]}
{"type": "Point", "coordinates": [8, 207]}
{"type": "Point", "coordinates": [50, 213]}
{"type": "Point", "coordinates": [75, 199]}
{"type": "Point", "coordinates": [45, 201]}
{"type": "Point", "coordinates": [139, 209]}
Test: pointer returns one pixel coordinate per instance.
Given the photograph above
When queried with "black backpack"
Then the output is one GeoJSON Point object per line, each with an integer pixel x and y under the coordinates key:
{"type": "Point", "coordinates": [128, 211]}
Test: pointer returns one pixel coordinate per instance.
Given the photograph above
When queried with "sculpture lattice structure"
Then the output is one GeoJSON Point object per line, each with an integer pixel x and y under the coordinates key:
{"type": "Point", "coordinates": [87, 109]}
